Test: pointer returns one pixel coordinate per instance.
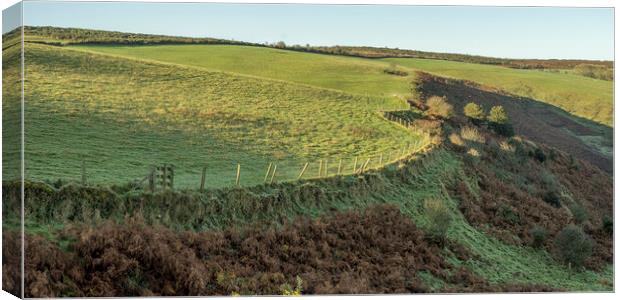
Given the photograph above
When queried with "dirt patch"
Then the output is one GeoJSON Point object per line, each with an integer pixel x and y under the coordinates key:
{"type": "Point", "coordinates": [537, 121]}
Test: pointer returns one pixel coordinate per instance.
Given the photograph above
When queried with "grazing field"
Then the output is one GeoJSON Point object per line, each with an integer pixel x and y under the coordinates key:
{"type": "Point", "coordinates": [348, 74]}
{"type": "Point", "coordinates": [581, 96]}
{"type": "Point", "coordinates": [121, 116]}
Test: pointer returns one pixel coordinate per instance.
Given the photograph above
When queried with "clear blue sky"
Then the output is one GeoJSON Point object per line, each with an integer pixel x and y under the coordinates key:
{"type": "Point", "coordinates": [516, 32]}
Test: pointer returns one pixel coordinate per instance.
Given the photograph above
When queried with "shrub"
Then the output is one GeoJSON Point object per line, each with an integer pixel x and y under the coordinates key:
{"type": "Point", "coordinates": [508, 214]}
{"type": "Point", "coordinates": [472, 134]}
{"type": "Point", "coordinates": [499, 121]}
{"type": "Point", "coordinates": [498, 115]}
{"type": "Point", "coordinates": [539, 236]}
{"type": "Point", "coordinates": [580, 214]}
{"type": "Point", "coordinates": [474, 112]}
{"type": "Point", "coordinates": [439, 220]}
{"type": "Point", "coordinates": [539, 155]}
{"type": "Point", "coordinates": [573, 246]}
{"type": "Point", "coordinates": [594, 71]}
{"type": "Point", "coordinates": [552, 198]}
{"type": "Point", "coordinates": [608, 224]}
{"type": "Point", "coordinates": [439, 107]}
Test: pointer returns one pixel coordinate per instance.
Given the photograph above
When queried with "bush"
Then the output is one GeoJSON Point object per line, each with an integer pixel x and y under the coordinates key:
{"type": "Point", "coordinates": [499, 121]}
{"type": "Point", "coordinates": [439, 220]}
{"type": "Point", "coordinates": [580, 214]}
{"type": "Point", "coordinates": [498, 115]}
{"type": "Point", "coordinates": [539, 155]}
{"type": "Point", "coordinates": [552, 198]}
{"type": "Point", "coordinates": [539, 236]}
{"type": "Point", "coordinates": [573, 246]}
{"type": "Point", "coordinates": [608, 224]}
{"type": "Point", "coordinates": [474, 112]}
{"type": "Point", "coordinates": [439, 107]}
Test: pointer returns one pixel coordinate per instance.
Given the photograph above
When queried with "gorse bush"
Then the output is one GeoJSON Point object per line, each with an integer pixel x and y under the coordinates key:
{"type": "Point", "coordinates": [608, 224]}
{"type": "Point", "coordinates": [580, 214]}
{"type": "Point", "coordinates": [499, 121]}
{"type": "Point", "coordinates": [498, 115]}
{"type": "Point", "coordinates": [552, 198]}
{"type": "Point", "coordinates": [438, 107]}
{"type": "Point", "coordinates": [439, 220]}
{"type": "Point", "coordinates": [573, 246]}
{"type": "Point", "coordinates": [474, 112]}
{"type": "Point", "coordinates": [539, 236]}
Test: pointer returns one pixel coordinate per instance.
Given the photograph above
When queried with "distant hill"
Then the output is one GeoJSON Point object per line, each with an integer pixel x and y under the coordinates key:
{"type": "Point", "coordinates": [66, 36]}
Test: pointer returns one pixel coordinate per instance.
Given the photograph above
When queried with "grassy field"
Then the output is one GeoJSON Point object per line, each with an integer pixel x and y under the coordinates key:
{"type": "Point", "coordinates": [582, 96]}
{"type": "Point", "coordinates": [348, 74]}
{"type": "Point", "coordinates": [121, 116]}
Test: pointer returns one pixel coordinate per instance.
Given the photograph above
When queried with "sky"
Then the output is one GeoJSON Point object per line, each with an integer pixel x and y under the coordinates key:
{"type": "Point", "coordinates": [514, 32]}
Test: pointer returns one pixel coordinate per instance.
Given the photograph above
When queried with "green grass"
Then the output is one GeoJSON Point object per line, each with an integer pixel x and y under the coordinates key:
{"type": "Point", "coordinates": [582, 96]}
{"type": "Point", "coordinates": [121, 116]}
{"type": "Point", "coordinates": [348, 74]}
{"type": "Point", "coordinates": [405, 186]}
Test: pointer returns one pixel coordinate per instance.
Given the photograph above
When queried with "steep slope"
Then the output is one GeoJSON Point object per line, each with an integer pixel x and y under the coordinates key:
{"type": "Point", "coordinates": [537, 121]}
{"type": "Point", "coordinates": [121, 116]}
{"type": "Point", "coordinates": [581, 96]}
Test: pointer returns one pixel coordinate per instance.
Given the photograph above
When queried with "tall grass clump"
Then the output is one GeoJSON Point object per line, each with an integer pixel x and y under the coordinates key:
{"type": "Point", "coordinates": [439, 108]}
{"type": "Point", "coordinates": [472, 134]}
{"type": "Point", "coordinates": [439, 220]}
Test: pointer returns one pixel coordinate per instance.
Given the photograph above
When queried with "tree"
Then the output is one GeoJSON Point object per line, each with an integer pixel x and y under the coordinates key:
{"type": "Point", "coordinates": [573, 246]}
{"type": "Point", "coordinates": [499, 121]}
{"type": "Point", "coordinates": [439, 107]}
{"type": "Point", "coordinates": [280, 45]}
{"type": "Point", "coordinates": [474, 112]}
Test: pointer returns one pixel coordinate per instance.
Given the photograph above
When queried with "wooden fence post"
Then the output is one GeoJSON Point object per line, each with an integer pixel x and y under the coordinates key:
{"type": "Point", "coordinates": [238, 174]}
{"type": "Point", "coordinates": [326, 168]}
{"type": "Point", "coordinates": [152, 180]}
{"type": "Point", "coordinates": [171, 177]}
{"type": "Point", "coordinates": [303, 170]}
{"type": "Point", "coordinates": [268, 171]}
{"type": "Point", "coordinates": [275, 167]}
{"type": "Point", "coordinates": [339, 166]}
{"type": "Point", "coordinates": [355, 165]}
{"type": "Point", "coordinates": [381, 159]}
{"type": "Point", "coordinates": [320, 168]}
{"type": "Point", "coordinates": [363, 168]}
{"type": "Point", "coordinates": [203, 178]}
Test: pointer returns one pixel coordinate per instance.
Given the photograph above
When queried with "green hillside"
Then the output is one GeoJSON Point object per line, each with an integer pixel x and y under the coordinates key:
{"type": "Point", "coordinates": [582, 96]}
{"type": "Point", "coordinates": [121, 116]}
{"type": "Point", "coordinates": [352, 75]}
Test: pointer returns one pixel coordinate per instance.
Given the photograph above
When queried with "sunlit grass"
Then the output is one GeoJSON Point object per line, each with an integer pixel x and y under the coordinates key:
{"type": "Point", "coordinates": [121, 116]}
